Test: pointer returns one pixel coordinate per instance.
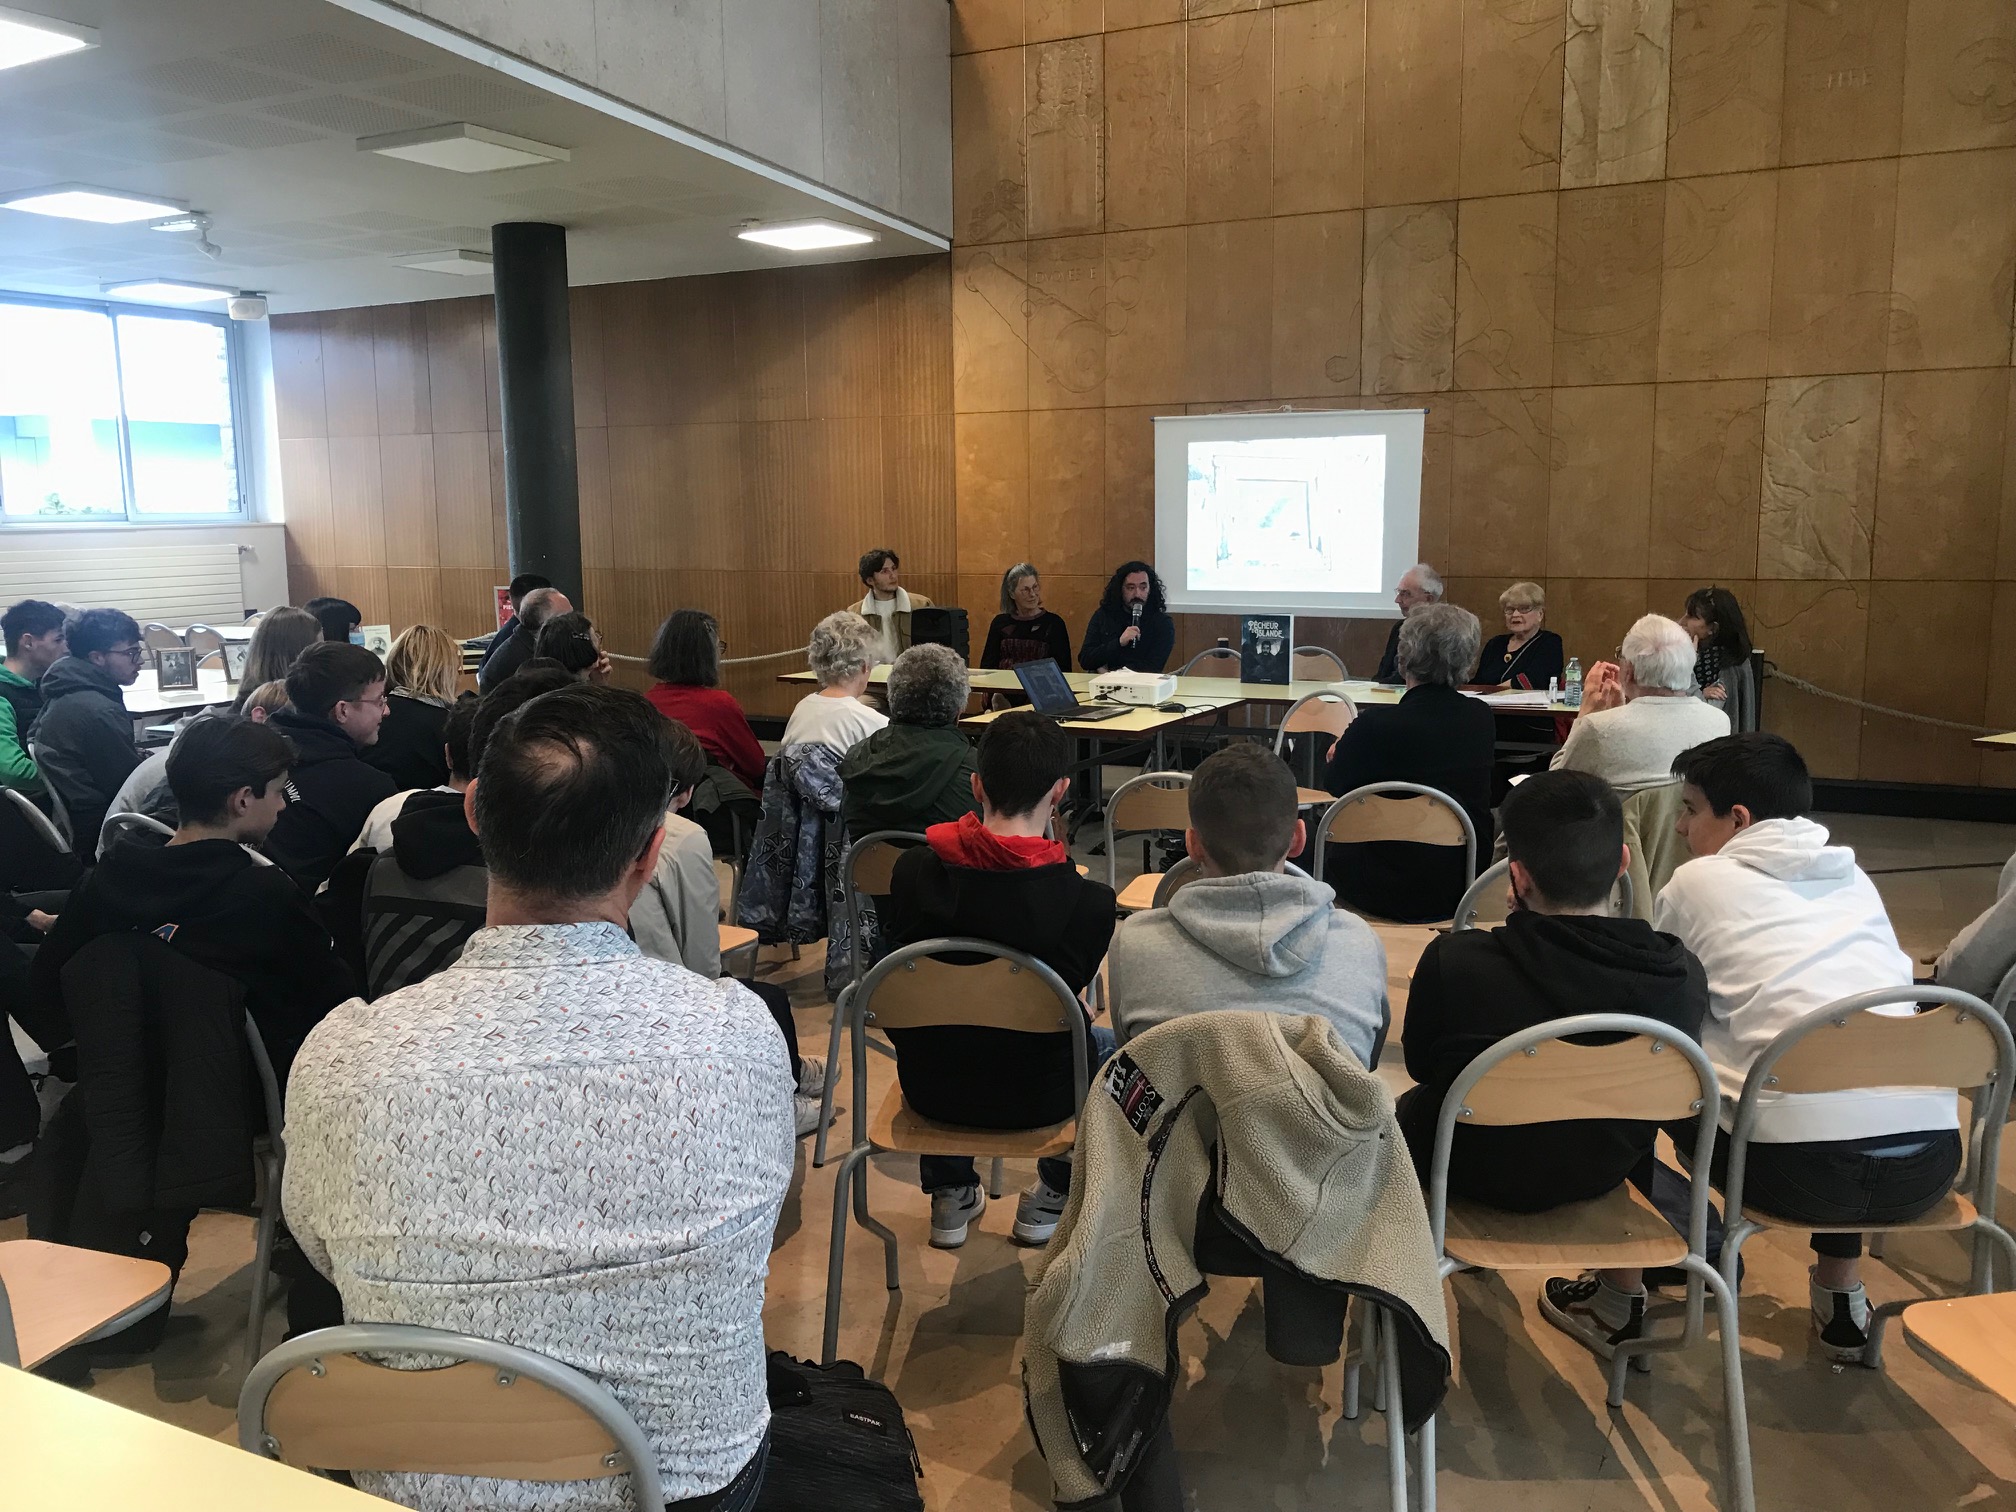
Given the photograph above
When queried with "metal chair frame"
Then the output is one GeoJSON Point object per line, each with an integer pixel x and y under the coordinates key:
{"type": "Point", "coordinates": [852, 1179]}
{"type": "Point", "coordinates": [858, 968]}
{"type": "Point", "coordinates": [1702, 1278]}
{"type": "Point", "coordinates": [1211, 653]}
{"type": "Point", "coordinates": [1289, 727]}
{"type": "Point", "coordinates": [1981, 1159]}
{"type": "Point", "coordinates": [174, 639]}
{"type": "Point", "coordinates": [146, 824]}
{"type": "Point", "coordinates": [44, 827]}
{"type": "Point", "coordinates": [269, 1158]}
{"type": "Point", "coordinates": [1622, 896]}
{"type": "Point", "coordinates": [510, 1360]}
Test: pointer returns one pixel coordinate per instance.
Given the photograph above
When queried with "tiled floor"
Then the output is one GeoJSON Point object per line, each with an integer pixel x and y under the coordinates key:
{"type": "Point", "coordinates": [1526, 1427]}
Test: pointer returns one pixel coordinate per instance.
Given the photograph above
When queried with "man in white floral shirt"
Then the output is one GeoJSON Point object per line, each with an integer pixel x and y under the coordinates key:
{"type": "Point", "coordinates": [558, 1141]}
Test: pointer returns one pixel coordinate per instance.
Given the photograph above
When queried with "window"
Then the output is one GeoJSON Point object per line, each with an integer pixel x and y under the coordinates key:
{"type": "Point", "coordinates": [116, 413]}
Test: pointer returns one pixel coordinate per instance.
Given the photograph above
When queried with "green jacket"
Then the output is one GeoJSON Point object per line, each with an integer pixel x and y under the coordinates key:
{"type": "Point", "coordinates": [907, 777]}
{"type": "Point", "coordinates": [17, 767]}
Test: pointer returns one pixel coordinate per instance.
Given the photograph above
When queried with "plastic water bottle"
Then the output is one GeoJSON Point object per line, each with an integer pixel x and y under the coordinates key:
{"type": "Point", "coordinates": [1571, 693]}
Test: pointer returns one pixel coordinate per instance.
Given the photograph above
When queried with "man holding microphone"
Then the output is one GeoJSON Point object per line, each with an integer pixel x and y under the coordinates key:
{"type": "Point", "coordinates": [1131, 627]}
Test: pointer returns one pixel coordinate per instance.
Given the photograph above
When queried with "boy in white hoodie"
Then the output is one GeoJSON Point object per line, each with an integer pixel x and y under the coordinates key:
{"type": "Point", "coordinates": [1248, 933]}
{"type": "Point", "coordinates": [1785, 923]}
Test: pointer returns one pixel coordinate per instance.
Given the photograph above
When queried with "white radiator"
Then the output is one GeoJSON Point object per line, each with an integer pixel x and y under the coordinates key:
{"type": "Point", "coordinates": [169, 584]}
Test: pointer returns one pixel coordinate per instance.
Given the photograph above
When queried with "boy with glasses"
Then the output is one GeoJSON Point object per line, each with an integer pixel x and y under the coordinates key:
{"type": "Point", "coordinates": [83, 738]}
{"type": "Point", "coordinates": [336, 697]}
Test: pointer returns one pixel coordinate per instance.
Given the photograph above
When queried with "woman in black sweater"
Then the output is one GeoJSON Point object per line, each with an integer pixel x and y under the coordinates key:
{"type": "Point", "coordinates": [1527, 655]}
{"type": "Point", "coordinates": [1024, 631]}
{"type": "Point", "coordinates": [421, 671]}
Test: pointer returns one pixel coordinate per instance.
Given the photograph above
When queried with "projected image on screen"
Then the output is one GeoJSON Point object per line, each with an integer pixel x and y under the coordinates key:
{"type": "Point", "coordinates": [1286, 514]}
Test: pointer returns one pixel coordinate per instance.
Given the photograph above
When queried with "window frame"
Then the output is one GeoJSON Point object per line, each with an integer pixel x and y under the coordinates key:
{"type": "Point", "coordinates": [234, 368]}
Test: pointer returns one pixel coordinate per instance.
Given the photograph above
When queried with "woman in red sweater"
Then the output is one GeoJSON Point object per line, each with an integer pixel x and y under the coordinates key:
{"type": "Point", "coordinates": [686, 660]}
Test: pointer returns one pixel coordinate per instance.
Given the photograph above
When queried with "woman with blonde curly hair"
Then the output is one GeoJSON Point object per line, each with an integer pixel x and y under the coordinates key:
{"type": "Point", "coordinates": [421, 673]}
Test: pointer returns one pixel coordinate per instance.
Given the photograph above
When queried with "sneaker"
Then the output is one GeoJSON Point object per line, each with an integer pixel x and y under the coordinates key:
{"type": "Point", "coordinates": [1037, 1214]}
{"type": "Point", "coordinates": [808, 1110]}
{"type": "Point", "coordinates": [952, 1211]}
{"type": "Point", "coordinates": [1841, 1318]}
{"type": "Point", "coordinates": [1594, 1312]}
{"type": "Point", "coordinates": [811, 1076]}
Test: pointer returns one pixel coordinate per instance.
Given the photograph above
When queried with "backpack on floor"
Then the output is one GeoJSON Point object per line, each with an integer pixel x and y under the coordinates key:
{"type": "Point", "coordinates": [837, 1442]}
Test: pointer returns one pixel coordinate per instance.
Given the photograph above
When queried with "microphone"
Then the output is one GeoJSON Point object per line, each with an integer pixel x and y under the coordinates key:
{"type": "Point", "coordinates": [1135, 609]}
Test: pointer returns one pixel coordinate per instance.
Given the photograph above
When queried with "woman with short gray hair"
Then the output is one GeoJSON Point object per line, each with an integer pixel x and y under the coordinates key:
{"type": "Point", "coordinates": [1024, 631]}
{"type": "Point", "coordinates": [842, 653]}
{"type": "Point", "coordinates": [1437, 736]}
{"type": "Point", "coordinates": [918, 770]}
{"type": "Point", "coordinates": [1639, 713]}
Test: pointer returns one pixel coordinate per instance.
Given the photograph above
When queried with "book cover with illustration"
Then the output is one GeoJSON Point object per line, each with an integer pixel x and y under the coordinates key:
{"type": "Point", "coordinates": [1266, 646]}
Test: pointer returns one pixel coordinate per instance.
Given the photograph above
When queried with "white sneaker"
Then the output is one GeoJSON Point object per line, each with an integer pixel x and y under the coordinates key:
{"type": "Point", "coordinates": [811, 1075]}
{"type": "Point", "coordinates": [1841, 1319]}
{"type": "Point", "coordinates": [808, 1110]}
{"type": "Point", "coordinates": [1038, 1213]}
{"type": "Point", "coordinates": [952, 1212]}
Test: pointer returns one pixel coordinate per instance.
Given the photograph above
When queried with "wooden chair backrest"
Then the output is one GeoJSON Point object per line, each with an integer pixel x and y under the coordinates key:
{"type": "Point", "coordinates": [1314, 664]}
{"type": "Point", "coordinates": [459, 1420]}
{"type": "Point", "coordinates": [1219, 661]}
{"type": "Point", "coordinates": [1419, 819]}
{"type": "Point", "coordinates": [992, 994]}
{"type": "Point", "coordinates": [1330, 715]}
{"type": "Point", "coordinates": [1634, 1078]}
{"type": "Point", "coordinates": [1152, 806]}
{"type": "Point", "coordinates": [875, 867]}
{"type": "Point", "coordinates": [1943, 1047]}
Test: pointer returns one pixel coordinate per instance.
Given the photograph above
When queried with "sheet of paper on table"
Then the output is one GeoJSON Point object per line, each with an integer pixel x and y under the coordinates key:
{"type": "Point", "coordinates": [1517, 698]}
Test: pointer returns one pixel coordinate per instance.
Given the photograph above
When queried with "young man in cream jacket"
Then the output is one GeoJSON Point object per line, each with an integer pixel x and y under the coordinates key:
{"type": "Point", "coordinates": [1785, 923]}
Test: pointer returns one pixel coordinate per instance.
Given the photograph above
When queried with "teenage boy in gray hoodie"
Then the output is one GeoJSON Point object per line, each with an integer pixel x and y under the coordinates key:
{"type": "Point", "coordinates": [1249, 933]}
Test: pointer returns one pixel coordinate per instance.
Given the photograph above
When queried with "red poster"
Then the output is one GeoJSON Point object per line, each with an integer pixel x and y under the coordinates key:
{"type": "Point", "coordinates": [503, 605]}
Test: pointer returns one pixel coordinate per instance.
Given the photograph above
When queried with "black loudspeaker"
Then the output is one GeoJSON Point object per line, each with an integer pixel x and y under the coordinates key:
{"type": "Point", "coordinates": [942, 627]}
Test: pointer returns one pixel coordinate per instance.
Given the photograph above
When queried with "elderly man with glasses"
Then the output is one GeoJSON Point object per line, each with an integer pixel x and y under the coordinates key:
{"type": "Point", "coordinates": [82, 740]}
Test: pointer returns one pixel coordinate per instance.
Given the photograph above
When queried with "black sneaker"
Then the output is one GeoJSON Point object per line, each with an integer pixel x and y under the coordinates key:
{"type": "Point", "coordinates": [1841, 1318]}
{"type": "Point", "coordinates": [1593, 1312]}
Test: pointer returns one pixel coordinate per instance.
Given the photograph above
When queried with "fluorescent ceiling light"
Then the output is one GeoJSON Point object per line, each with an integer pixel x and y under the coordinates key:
{"type": "Point", "coordinates": [472, 264]}
{"type": "Point", "coordinates": [26, 38]}
{"type": "Point", "coordinates": [170, 291]}
{"type": "Point", "coordinates": [463, 148]}
{"type": "Point", "coordinates": [807, 236]}
{"type": "Point", "coordinates": [108, 207]}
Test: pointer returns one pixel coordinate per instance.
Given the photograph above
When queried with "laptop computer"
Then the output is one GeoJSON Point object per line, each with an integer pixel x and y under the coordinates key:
{"type": "Point", "coordinates": [1050, 694]}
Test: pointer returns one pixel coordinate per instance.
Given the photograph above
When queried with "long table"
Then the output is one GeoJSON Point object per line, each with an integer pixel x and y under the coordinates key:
{"type": "Point", "coordinates": [145, 700]}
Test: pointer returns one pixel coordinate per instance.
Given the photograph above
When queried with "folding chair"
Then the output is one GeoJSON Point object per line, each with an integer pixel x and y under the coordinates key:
{"type": "Point", "coordinates": [206, 640]}
{"type": "Point", "coordinates": [914, 988]}
{"type": "Point", "coordinates": [44, 827]}
{"type": "Point", "coordinates": [159, 637]}
{"type": "Point", "coordinates": [1405, 811]}
{"type": "Point", "coordinates": [1317, 664]}
{"type": "Point", "coordinates": [1320, 713]}
{"type": "Point", "coordinates": [142, 826]}
{"type": "Point", "coordinates": [497, 1411]}
{"type": "Point", "coordinates": [1484, 897]}
{"type": "Point", "coordinates": [55, 1295]}
{"type": "Point", "coordinates": [1152, 801]}
{"type": "Point", "coordinates": [1539, 1076]}
{"type": "Point", "coordinates": [865, 871]}
{"type": "Point", "coordinates": [269, 1164]}
{"type": "Point", "coordinates": [1963, 1044]}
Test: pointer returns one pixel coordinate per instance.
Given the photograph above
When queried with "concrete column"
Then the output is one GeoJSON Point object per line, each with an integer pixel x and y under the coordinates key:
{"type": "Point", "coordinates": [535, 361]}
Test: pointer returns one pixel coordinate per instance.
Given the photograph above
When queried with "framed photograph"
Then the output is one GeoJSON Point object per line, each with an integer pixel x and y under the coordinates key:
{"type": "Point", "coordinates": [175, 669]}
{"type": "Point", "coordinates": [235, 653]}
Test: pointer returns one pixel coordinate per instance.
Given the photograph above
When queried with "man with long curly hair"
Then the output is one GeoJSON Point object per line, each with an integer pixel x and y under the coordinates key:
{"type": "Point", "coordinates": [1131, 627]}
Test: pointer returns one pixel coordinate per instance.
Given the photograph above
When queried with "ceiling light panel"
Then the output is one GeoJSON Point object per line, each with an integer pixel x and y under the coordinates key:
{"type": "Point", "coordinates": [469, 264]}
{"type": "Point", "coordinates": [28, 38]}
{"type": "Point", "coordinates": [807, 236]}
{"type": "Point", "coordinates": [463, 148]}
{"type": "Point", "coordinates": [85, 202]}
{"type": "Point", "coordinates": [170, 291]}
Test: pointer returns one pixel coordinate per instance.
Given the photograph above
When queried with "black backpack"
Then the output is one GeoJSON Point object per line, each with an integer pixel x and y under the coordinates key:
{"type": "Point", "coordinates": [838, 1442]}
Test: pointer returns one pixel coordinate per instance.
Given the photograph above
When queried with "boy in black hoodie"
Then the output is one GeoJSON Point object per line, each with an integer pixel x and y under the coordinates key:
{"type": "Point", "coordinates": [336, 693]}
{"type": "Point", "coordinates": [1559, 954]}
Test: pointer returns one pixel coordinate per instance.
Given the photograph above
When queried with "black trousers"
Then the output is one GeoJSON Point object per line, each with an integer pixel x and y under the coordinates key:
{"type": "Point", "coordinates": [1887, 1178]}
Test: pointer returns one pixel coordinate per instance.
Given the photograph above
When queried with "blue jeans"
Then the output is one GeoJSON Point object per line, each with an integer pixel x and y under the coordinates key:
{"type": "Point", "coordinates": [941, 1173]}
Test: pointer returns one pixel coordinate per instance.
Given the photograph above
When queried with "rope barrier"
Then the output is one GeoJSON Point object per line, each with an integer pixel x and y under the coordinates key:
{"type": "Point", "coordinates": [726, 661]}
{"type": "Point", "coordinates": [1804, 686]}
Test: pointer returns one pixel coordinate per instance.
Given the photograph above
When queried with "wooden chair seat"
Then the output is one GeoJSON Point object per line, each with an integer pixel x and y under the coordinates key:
{"type": "Point", "coordinates": [1974, 1335]}
{"type": "Point", "coordinates": [896, 1126]}
{"type": "Point", "coordinates": [1952, 1212]}
{"type": "Point", "coordinates": [1620, 1230]}
{"type": "Point", "coordinates": [734, 937]}
{"type": "Point", "coordinates": [61, 1295]}
{"type": "Point", "coordinates": [1313, 797]}
{"type": "Point", "coordinates": [1140, 893]}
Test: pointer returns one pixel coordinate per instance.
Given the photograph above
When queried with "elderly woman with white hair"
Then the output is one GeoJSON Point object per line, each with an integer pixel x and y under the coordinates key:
{"type": "Point", "coordinates": [1640, 712]}
{"type": "Point", "coordinates": [842, 653]}
{"type": "Point", "coordinates": [1437, 736]}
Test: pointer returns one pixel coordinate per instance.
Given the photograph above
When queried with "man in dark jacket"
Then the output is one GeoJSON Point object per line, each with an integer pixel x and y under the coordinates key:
{"type": "Point", "coordinates": [1436, 736]}
{"type": "Point", "coordinates": [1559, 954]}
{"type": "Point", "coordinates": [84, 737]}
{"type": "Point", "coordinates": [1131, 627]}
{"type": "Point", "coordinates": [507, 656]}
{"type": "Point", "coordinates": [213, 902]}
{"type": "Point", "coordinates": [336, 694]}
{"type": "Point", "coordinates": [521, 585]}
{"type": "Point", "coordinates": [1419, 584]}
{"type": "Point", "coordinates": [917, 770]}
{"type": "Point", "coordinates": [998, 876]}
